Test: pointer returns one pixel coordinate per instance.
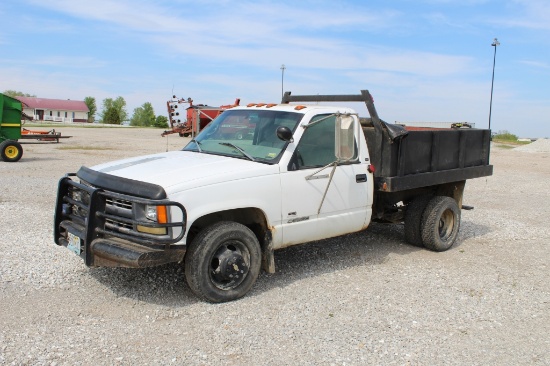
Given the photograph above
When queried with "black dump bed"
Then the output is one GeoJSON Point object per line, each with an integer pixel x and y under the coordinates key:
{"type": "Point", "coordinates": [407, 158]}
{"type": "Point", "coordinates": [428, 157]}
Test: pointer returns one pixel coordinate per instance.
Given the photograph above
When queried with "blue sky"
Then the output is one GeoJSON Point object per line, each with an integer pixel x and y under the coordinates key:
{"type": "Point", "coordinates": [423, 60]}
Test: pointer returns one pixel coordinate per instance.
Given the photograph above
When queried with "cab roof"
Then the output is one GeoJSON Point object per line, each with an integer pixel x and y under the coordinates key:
{"type": "Point", "coordinates": [299, 108]}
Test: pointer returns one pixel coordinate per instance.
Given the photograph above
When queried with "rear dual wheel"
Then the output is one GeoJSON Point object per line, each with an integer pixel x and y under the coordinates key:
{"type": "Point", "coordinates": [11, 151]}
{"type": "Point", "coordinates": [413, 220]}
{"type": "Point", "coordinates": [440, 223]}
{"type": "Point", "coordinates": [432, 222]}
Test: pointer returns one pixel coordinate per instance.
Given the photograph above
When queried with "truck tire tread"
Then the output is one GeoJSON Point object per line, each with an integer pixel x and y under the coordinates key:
{"type": "Point", "coordinates": [413, 220]}
{"type": "Point", "coordinates": [209, 247]}
{"type": "Point", "coordinates": [440, 223]}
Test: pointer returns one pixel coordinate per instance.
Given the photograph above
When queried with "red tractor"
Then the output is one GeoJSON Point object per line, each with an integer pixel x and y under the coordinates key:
{"type": "Point", "coordinates": [198, 116]}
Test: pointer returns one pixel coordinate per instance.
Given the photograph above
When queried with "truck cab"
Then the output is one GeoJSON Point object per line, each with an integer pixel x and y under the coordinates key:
{"type": "Point", "coordinates": [303, 163]}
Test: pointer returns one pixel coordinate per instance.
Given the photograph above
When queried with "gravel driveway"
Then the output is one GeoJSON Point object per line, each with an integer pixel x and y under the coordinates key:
{"type": "Point", "coordinates": [361, 299]}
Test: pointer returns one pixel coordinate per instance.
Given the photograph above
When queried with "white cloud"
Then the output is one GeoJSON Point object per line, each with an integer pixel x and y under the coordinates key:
{"type": "Point", "coordinates": [530, 14]}
{"type": "Point", "coordinates": [59, 62]}
{"type": "Point", "coordinates": [257, 34]}
{"type": "Point", "coordinates": [536, 64]}
{"type": "Point", "coordinates": [241, 22]}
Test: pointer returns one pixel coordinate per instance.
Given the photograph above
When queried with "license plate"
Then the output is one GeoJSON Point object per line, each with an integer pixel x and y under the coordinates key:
{"type": "Point", "coordinates": [73, 243]}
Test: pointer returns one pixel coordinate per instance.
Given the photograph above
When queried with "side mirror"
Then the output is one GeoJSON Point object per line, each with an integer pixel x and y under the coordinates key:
{"type": "Point", "coordinates": [284, 133]}
{"type": "Point", "coordinates": [345, 137]}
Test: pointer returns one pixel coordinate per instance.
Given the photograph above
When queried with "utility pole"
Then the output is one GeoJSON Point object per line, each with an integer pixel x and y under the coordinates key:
{"type": "Point", "coordinates": [494, 44]}
{"type": "Point", "coordinates": [283, 67]}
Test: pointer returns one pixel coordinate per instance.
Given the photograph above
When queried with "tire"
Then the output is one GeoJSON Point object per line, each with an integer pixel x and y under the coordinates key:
{"type": "Point", "coordinates": [413, 220]}
{"type": "Point", "coordinates": [223, 262]}
{"type": "Point", "coordinates": [440, 223]}
{"type": "Point", "coordinates": [11, 151]}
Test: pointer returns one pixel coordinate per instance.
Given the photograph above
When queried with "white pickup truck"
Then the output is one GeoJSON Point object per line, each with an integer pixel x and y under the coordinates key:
{"type": "Point", "coordinates": [299, 173]}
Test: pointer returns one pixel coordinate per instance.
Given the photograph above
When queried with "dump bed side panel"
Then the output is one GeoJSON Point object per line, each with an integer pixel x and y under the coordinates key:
{"type": "Point", "coordinates": [410, 162]}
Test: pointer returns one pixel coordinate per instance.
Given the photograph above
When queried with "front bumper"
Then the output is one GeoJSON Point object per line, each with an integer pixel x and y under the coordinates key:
{"type": "Point", "coordinates": [100, 219]}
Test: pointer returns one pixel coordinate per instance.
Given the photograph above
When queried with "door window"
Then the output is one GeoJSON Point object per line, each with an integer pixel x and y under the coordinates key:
{"type": "Point", "coordinates": [317, 145]}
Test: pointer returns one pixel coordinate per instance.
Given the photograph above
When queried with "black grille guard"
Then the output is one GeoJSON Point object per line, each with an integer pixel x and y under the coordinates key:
{"type": "Point", "coordinates": [91, 223]}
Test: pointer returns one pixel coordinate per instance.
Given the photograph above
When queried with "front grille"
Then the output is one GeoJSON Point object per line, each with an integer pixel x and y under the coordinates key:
{"type": "Point", "coordinates": [119, 203]}
{"type": "Point", "coordinates": [118, 225]}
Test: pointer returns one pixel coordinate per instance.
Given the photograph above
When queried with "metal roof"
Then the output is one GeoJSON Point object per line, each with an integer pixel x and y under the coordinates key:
{"type": "Point", "coordinates": [54, 104]}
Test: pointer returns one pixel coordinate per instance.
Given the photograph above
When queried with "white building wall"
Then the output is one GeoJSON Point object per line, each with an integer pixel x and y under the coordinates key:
{"type": "Point", "coordinates": [57, 115]}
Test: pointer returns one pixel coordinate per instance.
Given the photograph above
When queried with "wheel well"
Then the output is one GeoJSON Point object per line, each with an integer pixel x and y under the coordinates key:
{"type": "Point", "coordinates": [251, 217]}
{"type": "Point", "coordinates": [455, 190]}
{"type": "Point", "coordinates": [385, 202]}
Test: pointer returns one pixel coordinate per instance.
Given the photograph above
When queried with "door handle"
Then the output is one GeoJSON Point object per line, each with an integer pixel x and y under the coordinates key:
{"type": "Point", "coordinates": [361, 178]}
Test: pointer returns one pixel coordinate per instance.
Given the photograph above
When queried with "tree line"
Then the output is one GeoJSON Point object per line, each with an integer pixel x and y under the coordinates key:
{"type": "Point", "coordinates": [114, 112]}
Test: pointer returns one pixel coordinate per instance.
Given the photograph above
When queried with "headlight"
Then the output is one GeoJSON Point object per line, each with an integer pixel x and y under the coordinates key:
{"type": "Point", "coordinates": [80, 196]}
{"type": "Point", "coordinates": [76, 195]}
{"type": "Point", "coordinates": [151, 212]}
{"type": "Point", "coordinates": [156, 213]}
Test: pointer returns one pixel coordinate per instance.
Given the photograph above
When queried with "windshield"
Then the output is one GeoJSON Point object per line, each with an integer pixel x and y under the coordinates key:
{"type": "Point", "coordinates": [246, 134]}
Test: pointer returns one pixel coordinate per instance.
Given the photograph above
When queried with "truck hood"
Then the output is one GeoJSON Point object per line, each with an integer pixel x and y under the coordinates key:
{"type": "Point", "coordinates": [181, 170]}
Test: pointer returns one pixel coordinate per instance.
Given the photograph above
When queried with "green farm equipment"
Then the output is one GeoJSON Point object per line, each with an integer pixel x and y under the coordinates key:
{"type": "Point", "coordinates": [10, 128]}
{"type": "Point", "coordinates": [11, 115]}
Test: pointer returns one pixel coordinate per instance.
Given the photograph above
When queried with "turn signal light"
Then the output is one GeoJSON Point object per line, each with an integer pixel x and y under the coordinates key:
{"type": "Point", "coordinates": [162, 216]}
{"type": "Point", "coordinates": [151, 230]}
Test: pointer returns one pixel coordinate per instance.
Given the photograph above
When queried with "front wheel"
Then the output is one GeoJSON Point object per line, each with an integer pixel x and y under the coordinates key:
{"type": "Point", "coordinates": [440, 223]}
{"type": "Point", "coordinates": [223, 262]}
{"type": "Point", "coordinates": [11, 151]}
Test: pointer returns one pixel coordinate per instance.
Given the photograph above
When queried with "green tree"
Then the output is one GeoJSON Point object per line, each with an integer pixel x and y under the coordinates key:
{"type": "Point", "coordinates": [143, 116]}
{"type": "Point", "coordinates": [111, 116]}
{"type": "Point", "coordinates": [138, 117]}
{"type": "Point", "coordinates": [114, 107]}
{"type": "Point", "coordinates": [161, 122]}
{"type": "Point", "coordinates": [15, 93]}
{"type": "Point", "coordinates": [90, 102]}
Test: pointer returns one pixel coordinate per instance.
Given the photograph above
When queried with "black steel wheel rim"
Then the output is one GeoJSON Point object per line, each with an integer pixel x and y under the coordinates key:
{"type": "Point", "coordinates": [229, 265]}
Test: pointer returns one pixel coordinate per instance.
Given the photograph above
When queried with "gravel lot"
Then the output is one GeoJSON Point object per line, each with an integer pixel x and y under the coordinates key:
{"type": "Point", "coordinates": [365, 298]}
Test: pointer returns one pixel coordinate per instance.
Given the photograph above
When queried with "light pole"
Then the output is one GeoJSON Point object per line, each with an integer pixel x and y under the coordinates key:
{"type": "Point", "coordinates": [283, 67]}
{"type": "Point", "coordinates": [494, 44]}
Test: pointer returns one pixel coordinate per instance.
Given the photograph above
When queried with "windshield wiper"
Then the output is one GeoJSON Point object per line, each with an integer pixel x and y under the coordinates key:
{"type": "Point", "coordinates": [198, 143]}
{"type": "Point", "coordinates": [238, 149]}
